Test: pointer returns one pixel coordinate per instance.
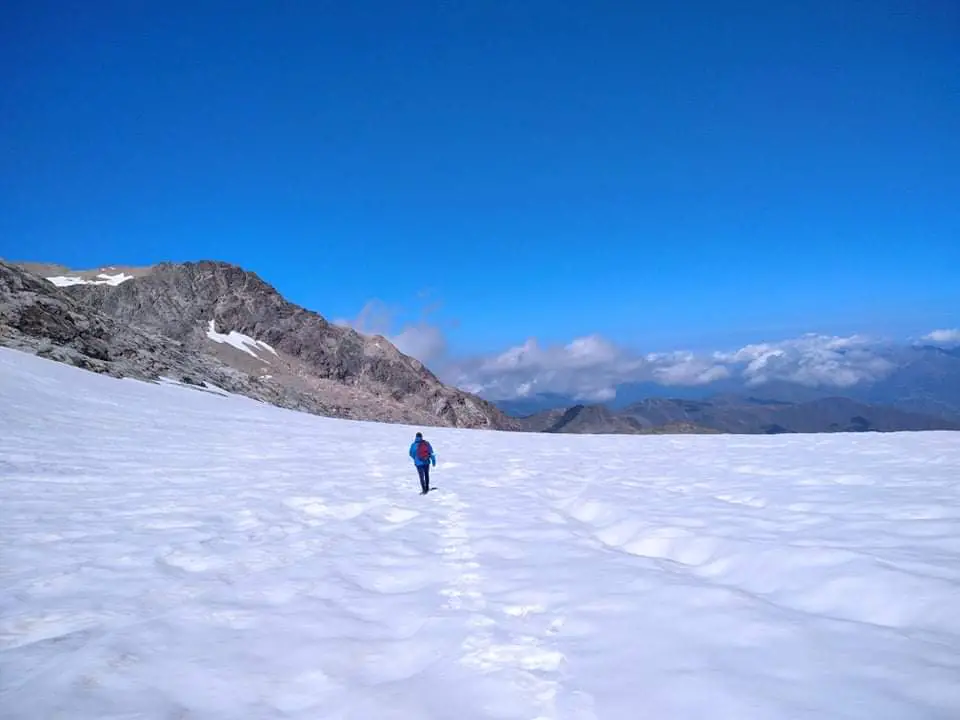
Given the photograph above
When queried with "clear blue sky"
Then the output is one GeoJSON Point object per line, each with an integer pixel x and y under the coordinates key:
{"type": "Point", "coordinates": [665, 174]}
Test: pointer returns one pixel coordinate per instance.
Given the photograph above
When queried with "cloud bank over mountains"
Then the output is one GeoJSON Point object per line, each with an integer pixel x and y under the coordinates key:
{"type": "Point", "coordinates": [590, 369]}
{"type": "Point", "coordinates": [811, 360]}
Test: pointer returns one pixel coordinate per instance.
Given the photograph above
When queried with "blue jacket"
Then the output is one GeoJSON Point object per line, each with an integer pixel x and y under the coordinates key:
{"type": "Point", "coordinates": [418, 461]}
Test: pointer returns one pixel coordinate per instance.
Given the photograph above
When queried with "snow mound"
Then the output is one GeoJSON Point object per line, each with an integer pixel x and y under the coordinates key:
{"type": "Point", "coordinates": [171, 553]}
{"type": "Point", "coordinates": [238, 340]}
{"type": "Point", "coordinates": [101, 279]}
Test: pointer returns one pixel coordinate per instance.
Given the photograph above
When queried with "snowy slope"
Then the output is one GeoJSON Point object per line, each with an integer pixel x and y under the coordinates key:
{"type": "Point", "coordinates": [174, 553]}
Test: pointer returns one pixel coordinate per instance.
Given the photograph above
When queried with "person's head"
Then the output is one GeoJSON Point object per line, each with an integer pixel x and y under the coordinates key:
{"type": "Point", "coordinates": [419, 436]}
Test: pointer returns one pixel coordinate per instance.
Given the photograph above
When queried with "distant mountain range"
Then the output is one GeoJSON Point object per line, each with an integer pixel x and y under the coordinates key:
{"type": "Point", "coordinates": [725, 414]}
{"type": "Point", "coordinates": [923, 391]}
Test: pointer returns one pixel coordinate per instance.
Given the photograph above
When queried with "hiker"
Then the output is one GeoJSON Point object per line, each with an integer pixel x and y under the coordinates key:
{"type": "Point", "coordinates": [423, 458]}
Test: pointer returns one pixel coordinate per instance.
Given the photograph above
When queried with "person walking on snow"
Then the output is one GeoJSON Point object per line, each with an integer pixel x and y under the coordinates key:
{"type": "Point", "coordinates": [423, 458]}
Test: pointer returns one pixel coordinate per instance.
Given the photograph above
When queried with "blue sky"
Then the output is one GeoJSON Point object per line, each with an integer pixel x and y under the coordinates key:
{"type": "Point", "coordinates": [664, 175]}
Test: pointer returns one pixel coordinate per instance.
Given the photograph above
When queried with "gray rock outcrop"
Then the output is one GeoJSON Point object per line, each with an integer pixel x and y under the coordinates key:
{"type": "Point", "coordinates": [159, 323]}
{"type": "Point", "coordinates": [38, 317]}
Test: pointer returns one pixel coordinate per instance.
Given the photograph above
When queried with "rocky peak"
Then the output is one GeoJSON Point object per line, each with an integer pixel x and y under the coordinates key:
{"type": "Point", "coordinates": [180, 300]}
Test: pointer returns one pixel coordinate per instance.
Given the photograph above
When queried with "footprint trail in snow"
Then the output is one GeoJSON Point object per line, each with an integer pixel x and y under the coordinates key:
{"type": "Point", "coordinates": [171, 553]}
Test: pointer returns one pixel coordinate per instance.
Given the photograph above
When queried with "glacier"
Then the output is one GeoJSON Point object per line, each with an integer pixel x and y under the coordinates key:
{"type": "Point", "coordinates": [169, 552]}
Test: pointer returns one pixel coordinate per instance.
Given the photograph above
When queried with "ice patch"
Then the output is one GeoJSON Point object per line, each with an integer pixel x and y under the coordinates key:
{"type": "Point", "coordinates": [102, 279]}
{"type": "Point", "coordinates": [115, 279]}
{"type": "Point", "coordinates": [67, 280]}
{"type": "Point", "coordinates": [238, 340]}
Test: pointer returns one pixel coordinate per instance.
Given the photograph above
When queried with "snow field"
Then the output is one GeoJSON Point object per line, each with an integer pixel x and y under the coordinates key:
{"type": "Point", "coordinates": [175, 553]}
{"type": "Point", "coordinates": [102, 279]}
{"type": "Point", "coordinates": [241, 342]}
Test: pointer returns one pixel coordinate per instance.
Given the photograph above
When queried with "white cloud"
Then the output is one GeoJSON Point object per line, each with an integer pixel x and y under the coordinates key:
{"type": "Point", "coordinates": [944, 337]}
{"type": "Point", "coordinates": [685, 368]}
{"type": "Point", "coordinates": [587, 368]}
{"type": "Point", "coordinates": [811, 360]}
{"type": "Point", "coordinates": [583, 353]}
{"type": "Point", "coordinates": [591, 368]}
{"type": "Point", "coordinates": [374, 319]}
{"type": "Point", "coordinates": [422, 340]}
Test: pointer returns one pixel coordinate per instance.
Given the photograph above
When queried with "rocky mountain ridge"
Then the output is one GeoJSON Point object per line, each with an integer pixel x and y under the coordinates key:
{"type": "Point", "coordinates": [212, 322]}
{"type": "Point", "coordinates": [733, 415]}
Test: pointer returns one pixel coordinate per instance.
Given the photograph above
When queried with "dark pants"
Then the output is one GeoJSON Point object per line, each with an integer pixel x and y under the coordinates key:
{"type": "Point", "coordinates": [424, 472]}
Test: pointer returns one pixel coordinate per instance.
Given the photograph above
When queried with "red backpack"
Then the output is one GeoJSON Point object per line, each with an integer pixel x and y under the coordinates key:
{"type": "Point", "coordinates": [424, 450]}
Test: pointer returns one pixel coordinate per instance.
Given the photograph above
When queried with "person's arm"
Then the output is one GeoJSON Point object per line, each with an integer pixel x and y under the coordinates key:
{"type": "Point", "coordinates": [413, 451]}
{"type": "Point", "coordinates": [433, 457]}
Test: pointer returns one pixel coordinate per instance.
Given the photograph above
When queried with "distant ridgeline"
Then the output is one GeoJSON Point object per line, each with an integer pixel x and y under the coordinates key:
{"type": "Point", "coordinates": [216, 325]}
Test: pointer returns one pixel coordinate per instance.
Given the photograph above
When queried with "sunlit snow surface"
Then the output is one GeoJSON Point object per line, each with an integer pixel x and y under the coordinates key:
{"type": "Point", "coordinates": [169, 553]}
